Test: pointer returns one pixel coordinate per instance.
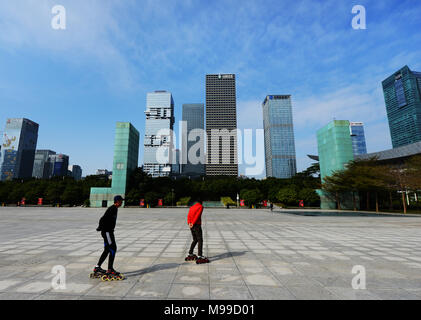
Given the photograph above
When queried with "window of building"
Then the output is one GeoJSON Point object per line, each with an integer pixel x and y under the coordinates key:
{"type": "Point", "coordinates": [400, 94]}
{"type": "Point", "coordinates": [120, 166]}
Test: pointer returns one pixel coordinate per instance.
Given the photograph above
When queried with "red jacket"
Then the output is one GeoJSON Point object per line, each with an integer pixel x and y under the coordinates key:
{"type": "Point", "coordinates": [195, 214]}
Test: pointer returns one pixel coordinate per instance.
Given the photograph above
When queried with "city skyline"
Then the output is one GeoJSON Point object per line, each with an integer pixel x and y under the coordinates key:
{"type": "Point", "coordinates": [312, 53]}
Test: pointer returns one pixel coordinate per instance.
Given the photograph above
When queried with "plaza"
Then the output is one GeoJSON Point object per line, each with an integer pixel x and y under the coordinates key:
{"type": "Point", "coordinates": [254, 254]}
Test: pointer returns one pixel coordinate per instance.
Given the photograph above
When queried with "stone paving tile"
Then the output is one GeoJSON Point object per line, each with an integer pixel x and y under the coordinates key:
{"type": "Point", "coordinates": [271, 293]}
{"type": "Point", "coordinates": [149, 290]}
{"type": "Point", "coordinates": [231, 292]}
{"type": "Point", "coordinates": [271, 255]}
{"type": "Point", "coordinates": [193, 291]}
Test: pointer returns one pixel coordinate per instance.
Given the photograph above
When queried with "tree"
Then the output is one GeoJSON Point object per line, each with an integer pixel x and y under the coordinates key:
{"type": "Point", "coordinates": [287, 196]}
{"type": "Point", "coordinates": [252, 197]}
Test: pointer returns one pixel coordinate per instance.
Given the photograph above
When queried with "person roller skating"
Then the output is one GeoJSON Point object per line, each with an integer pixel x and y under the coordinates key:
{"type": "Point", "coordinates": [106, 227]}
{"type": "Point", "coordinates": [194, 220]}
{"type": "Point", "coordinates": [97, 273]}
{"type": "Point", "coordinates": [112, 275]}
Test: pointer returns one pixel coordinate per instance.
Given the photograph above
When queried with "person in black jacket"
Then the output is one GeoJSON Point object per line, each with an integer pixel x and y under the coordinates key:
{"type": "Point", "coordinates": [106, 226]}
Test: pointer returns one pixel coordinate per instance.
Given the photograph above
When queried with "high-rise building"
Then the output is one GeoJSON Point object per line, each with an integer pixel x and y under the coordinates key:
{"type": "Point", "coordinates": [126, 153]}
{"type": "Point", "coordinates": [402, 95]}
{"type": "Point", "coordinates": [158, 142]}
{"type": "Point", "coordinates": [59, 165]}
{"type": "Point", "coordinates": [193, 140]}
{"type": "Point", "coordinates": [221, 125]}
{"type": "Point", "coordinates": [279, 137]}
{"type": "Point", "coordinates": [75, 172]}
{"type": "Point", "coordinates": [176, 165]}
{"type": "Point", "coordinates": [358, 138]}
{"type": "Point", "coordinates": [20, 138]}
{"type": "Point", "coordinates": [335, 149]}
{"type": "Point", "coordinates": [42, 166]}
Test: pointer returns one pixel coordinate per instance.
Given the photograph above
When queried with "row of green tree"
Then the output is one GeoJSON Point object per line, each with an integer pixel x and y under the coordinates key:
{"type": "Point", "coordinates": [67, 191]}
{"type": "Point", "coordinates": [52, 191]}
{"type": "Point", "coordinates": [252, 191]}
{"type": "Point", "coordinates": [370, 183]}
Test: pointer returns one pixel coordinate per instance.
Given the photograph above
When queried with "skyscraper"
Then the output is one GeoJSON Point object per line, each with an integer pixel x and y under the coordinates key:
{"type": "Point", "coordinates": [18, 149]}
{"type": "Point", "coordinates": [158, 142]}
{"type": "Point", "coordinates": [193, 119]}
{"type": "Point", "coordinates": [335, 150]}
{"type": "Point", "coordinates": [221, 125]}
{"type": "Point", "coordinates": [402, 95]}
{"type": "Point", "coordinates": [126, 153]}
{"type": "Point", "coordinates": [75, 172]}
{"type": "Point", "coordinates": [279, 137]}
{"type": "Point", "coordinates": [42, 165]}
{"type": "Point", "coordinates": [358, 138]}
{"type": "Point", "coordinates": [59, 165]}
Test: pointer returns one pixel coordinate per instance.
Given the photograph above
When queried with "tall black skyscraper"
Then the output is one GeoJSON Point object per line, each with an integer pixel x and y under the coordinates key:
{"type": "Point", "coordinates": [221, 125]}
{"type": "Point", "coordinates": [194, 120]}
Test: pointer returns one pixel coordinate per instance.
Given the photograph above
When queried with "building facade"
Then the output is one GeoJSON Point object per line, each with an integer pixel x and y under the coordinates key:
{"type": "Point", "coordinates": [75, 171]}
{"type": "Point", "coordinates": [335, 149]}
{"type": "Point", "coordinates": [126, 156]}
{"type": "Point", "coordinates": [17, 154]}
{"type": "Point", "coordinates": [221, 125]}
{"type": "Point", "coordinates": [278, 127]}
{"type": "Point", "coordinates": [158, 141]}
{"type": "Point", "coordinates": [42, 166]}
{"type": "Point", "coordinates": [193, 140]}
{"type": "Point", "coordinates": [59, 164]}
{"type": "Point", "coordinates": [358, 138]}
{"type": "Point", "coordinates": [402, 95]}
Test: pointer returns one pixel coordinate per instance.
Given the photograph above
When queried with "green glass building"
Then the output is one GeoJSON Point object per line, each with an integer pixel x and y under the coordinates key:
{"type": "Point", "coordinates": [126, 153]}
{"type": "Point", "coordinates": [335, 149]}
{"type": "Point", "coordinates": [402, 95]}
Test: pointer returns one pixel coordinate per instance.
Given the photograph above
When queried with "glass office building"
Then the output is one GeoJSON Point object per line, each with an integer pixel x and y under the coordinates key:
{"type": "Point", "coordinates": [59, 165]}
{"type": "Point", "coordinates": [17, 154]}
{"type": "Point", "coordinates": [194, 122]}
{"type": "Point", "coordinates": [335, 149]}
{"type": "Point", "coordinates": [221, 125]}
{"type": "Point", "coordinates": [402, 95]}
{"type": "Point", "coordinates": [278, 127]}
{"type": "Point", "coordinates": [358, 138]}
{"type": "Point", "coordinates": [158, 142]}
{"type": "Point", "coordinates": [42, 165]}
{"type": "Point", "coordinates": [75, 171]}
{"type": "Point", "coordinates": [126, 153]}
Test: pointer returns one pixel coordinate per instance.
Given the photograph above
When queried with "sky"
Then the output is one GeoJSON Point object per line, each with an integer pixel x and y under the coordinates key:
{"type": "Point", "coordinates": [78, 82]}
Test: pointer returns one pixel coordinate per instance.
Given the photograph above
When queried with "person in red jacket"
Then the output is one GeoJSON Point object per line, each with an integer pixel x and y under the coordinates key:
{"type": "Point", "coordinates": [194, 220]}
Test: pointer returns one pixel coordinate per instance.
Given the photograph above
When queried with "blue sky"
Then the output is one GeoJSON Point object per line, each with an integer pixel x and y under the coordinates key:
{"type": "Point", "coordinates": [76, 83]}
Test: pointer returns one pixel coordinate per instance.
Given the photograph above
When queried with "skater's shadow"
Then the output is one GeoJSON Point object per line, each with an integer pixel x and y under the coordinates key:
{"type": "Point", "coordinates": [227, 255]}
{"type": "Point", "coordinates": [157, 267]}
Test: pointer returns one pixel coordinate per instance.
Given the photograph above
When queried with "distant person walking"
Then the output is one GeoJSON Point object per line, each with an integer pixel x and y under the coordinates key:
{"type": "Point", "coordinates": [271, 207]}
{"type": "Point", "coordinates": [194, 220]}
{"type": "Point", "coordinates": [106, 226]}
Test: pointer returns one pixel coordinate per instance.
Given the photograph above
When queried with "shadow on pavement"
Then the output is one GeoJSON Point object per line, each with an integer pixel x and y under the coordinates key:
{"type": "Point", "coordinates": [226, 255]}
{"type": "Point", "coordinates": [157, 267]}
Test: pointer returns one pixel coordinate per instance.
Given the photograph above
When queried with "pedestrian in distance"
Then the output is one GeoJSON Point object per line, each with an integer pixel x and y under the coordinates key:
{"type": "Point", "coordinates": [106, 227]}
{"type": "Point", "coordinates": [194, 221]}
{"type": "Point", "coordinates": [271, 207]}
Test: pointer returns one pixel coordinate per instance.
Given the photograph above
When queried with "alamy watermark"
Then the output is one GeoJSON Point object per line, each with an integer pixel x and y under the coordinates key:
{"type": "Point", "coordinates": [359, 20]}
{"type": "Point", "coordinates": [359, 280]}
{"type": "Point", "coordinates": [59, 280]}
{"type": "Point", "coordinates": [58, 22]}
{"type": "Point", "coordinates": [224, 146]}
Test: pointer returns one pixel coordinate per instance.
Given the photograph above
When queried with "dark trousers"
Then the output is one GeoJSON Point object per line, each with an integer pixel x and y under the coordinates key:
{"type": "Point", "coordinates": [110, 248]}
{"type": "Point", "coordinates": [196, 232]}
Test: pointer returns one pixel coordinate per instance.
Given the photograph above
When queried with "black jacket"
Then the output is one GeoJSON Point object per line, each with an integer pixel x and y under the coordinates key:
{"type": "Point", "coordinates": [108, 220]}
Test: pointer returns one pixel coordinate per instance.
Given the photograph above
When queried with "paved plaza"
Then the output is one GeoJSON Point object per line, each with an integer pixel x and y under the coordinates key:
{"type": "Point", "coordinates": [255, 254]}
